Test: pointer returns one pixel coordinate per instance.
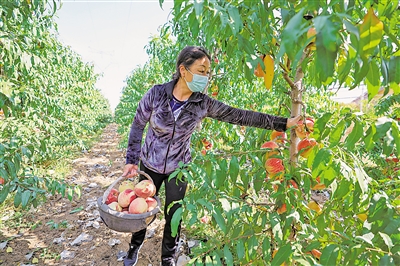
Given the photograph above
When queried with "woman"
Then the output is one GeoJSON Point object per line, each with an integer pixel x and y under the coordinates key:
{"type": "Point", "coordinates": [173, 110]}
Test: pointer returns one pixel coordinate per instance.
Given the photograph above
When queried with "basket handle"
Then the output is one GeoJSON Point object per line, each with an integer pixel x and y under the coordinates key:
{"type": "Point", "coordinates": [105, 195]}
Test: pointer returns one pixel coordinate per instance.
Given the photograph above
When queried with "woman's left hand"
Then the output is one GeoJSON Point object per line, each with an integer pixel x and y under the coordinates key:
{"type": "Point", "coordinates": [291, 122]}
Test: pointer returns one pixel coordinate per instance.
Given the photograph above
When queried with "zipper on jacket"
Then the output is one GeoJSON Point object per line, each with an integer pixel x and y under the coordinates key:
{"type": "Point", "coordinates": [172, 137]}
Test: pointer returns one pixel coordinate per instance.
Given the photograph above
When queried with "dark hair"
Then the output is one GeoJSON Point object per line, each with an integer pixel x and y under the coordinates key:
{"type": "Point", "coordinates": [187, 56]}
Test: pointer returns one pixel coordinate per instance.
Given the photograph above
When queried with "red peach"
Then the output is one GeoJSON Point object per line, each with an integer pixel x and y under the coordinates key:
{"type": "Point", "coordinates": [151, 203]}
{"type": "Point", "coordinates": [126, 197]}
{"type": "Point", "coordinates": [272, 148]}
{"type": "Point", "coordinates": [137, 206]}
{"type": "Point", "coordinates": [305, 146]}
{"type": "Point", "coordinates": [278, 136]}
{"type": "Point", "coordinates": [113, 196]}
{"type": "Point", "coordinates": [301, 131]}
{"type": "Point", "coordinates": [274, 167]}
{"type": "Point", "coordinates": [145, 188]}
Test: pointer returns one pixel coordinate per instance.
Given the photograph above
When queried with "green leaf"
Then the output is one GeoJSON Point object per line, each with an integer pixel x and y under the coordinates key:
{"type": "Point", "coordinates": [396, 136]}
{"type": "Point", "coordinates": [342, 190]}
{"type": "Point", "coordinates": [245, 45]}
{"type": "Point", "coordinates": [240, 250]}
{"type": "Point", "coordinates": [354, 135]}
{"type": "Point", "coordinates": [362, 178]}
{"type": "Point", "coordinates": [329, 175]}
{"type": "Point", "coordinates": [237, 23]}
{"type": "Point", "coordinates": [220, 220]}
{"type": "Point", "coordinates": [368, 140]}
{"type": "Point", "coordinates": [233, 169]}
{"type": "Point", "coordinates": [394, 70]}
{"type": "Point", "coordinates": [220, 178]}
{"type": "Point", "coordinates": [326, 46]}
{"type": "Point", "coordinates": [3, 173]}
{"type": "Point", "coordinates": [175, 221]}
{"type": "Point", "coordinates": [18, 198]}
{"type": "Point", "coordinates": [282, 255]}
{"type": "Point", "coordinates": [337, 133]}
{"type": "Point", "coordinates": [379, 208]}
{"type": "Point", "coordinates": [276, 227]}
{"type": "Point", "coordinates": [373, 80]}
{"type": "Point", "coordinates": [383, 125]}
{"type": "Point", "coordinates": [25, 198]}
{"type": "Point", "coordinates": [4, 193]}
{"type": "Point", "coordinates": [70, 194]}
{"type": "Point", "coordinates": [291, 34]}
{"type": "Point", "coordinates": [386, 260]}
{"type": "Point", "coordinates": [320, 125]}
{"type": "Point", "coordinates": [266, 247]}
{"type": "Point", "coordinates": [11, 169]}
{"type": "Point", "coordinates": [367, 238]}
{"type": "Point", "coordinates": [228, 256]}
{"type": "Point", "coordinates": [194, 24]}
{"type": "Point", "coordinates": [329, 255]}
{"type": "Point", "coordinates": [360, 72]}
{"type": "Point", "coordinates": [321, 162]}
{"type": "Point", "coordinates": [198, 7]}
{"type": "Point", "coordinates": [76, 210]}
{"type": "Point", "coordinates": [259, 180]}
{"type": "Point", "coordinates": [387, 240]}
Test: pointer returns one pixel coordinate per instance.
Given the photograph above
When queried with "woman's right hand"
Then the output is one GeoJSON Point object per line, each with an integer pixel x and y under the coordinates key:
{"type": "Point", "coordinates": [130, 170]}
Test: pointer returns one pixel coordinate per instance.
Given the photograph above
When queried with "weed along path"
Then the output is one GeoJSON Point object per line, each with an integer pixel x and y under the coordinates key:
{"type": "Point", "coordinates": [63, 232]}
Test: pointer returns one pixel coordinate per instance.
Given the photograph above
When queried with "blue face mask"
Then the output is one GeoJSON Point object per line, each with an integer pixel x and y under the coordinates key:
{"type": "Point", "coordinates": [198, 83]}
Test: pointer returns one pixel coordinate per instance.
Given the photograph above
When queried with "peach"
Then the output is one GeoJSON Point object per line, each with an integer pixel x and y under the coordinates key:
{"type": "Point", "coordinates": [274, 167]}
{"type": "Point", "coordinates": [145, 188]}
{"type": "Point", "coordinates": [272, 148]}
{"type": "Point", "coordinates": [305, 146]}
{"type": "Point", "coordinates": [205, 219]}
{"type": "Point", "coordinates": [314, 206]}
{"type": "Point", "coordinates": [281, 209]}
{"type": "Point", "coordinates": [115, 206]}
{"type": "Point", "coordinates": [293, 184]}
{"type": "Point", "coordinates": [151, 203]}
{"type": "Point", "coordinates": [112, 196]}
{"type": "Point", "coordinates": [316, 253]}
{"type": "Point", "coordinates": [126, 197]}
{"type": "Point", "coordinates": [311, 34]}
{"type": "Point", "coordinates": [207, 144]}
{"type": "Point", "coordinates": [301, 130]}
{"type": "Point", "coordinates": [137, 206]}
{"type": "Point", "coordinates": [125, 185]}
{"type": "Point", "coordinates": [278, 136]}
{"type": "Point", "coordinates": [319, 185]}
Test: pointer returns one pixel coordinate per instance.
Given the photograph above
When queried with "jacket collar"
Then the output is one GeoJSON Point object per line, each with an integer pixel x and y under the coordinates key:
{"type": "Point", "coordinates": [169, 87]}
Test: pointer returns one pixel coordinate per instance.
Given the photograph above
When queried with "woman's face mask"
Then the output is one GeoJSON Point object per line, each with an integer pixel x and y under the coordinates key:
{"type": "Point", "coordinates": [198, 83]}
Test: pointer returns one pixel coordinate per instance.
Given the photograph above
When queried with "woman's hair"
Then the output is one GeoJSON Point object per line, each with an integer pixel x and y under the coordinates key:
{"type": "Point", "coordinates": [187, 56]}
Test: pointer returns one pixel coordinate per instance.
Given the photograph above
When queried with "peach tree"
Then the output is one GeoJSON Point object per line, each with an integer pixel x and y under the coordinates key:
{"type": "Point", "coordinates": [249, 218]}
{"type": "Point", "coordinates": [48, 103]}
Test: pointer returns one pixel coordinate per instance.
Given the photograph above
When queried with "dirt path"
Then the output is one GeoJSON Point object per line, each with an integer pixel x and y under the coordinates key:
{"type": "Point", "coordinates": [71, 233]}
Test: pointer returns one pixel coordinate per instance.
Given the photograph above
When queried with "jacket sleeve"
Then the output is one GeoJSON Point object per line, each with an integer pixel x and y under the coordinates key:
{"type": "Point", "coordinates": [226, 113]}
{"type": "Point", "coordinates": [140, 120]}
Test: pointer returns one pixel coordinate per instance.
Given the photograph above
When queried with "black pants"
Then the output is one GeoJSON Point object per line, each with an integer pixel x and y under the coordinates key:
{"type": "Point", "coordinates": [174, 191]}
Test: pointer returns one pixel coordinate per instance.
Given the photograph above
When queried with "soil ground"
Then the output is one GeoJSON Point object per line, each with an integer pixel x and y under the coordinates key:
{"type": "Point", "coordinates": [60, 222]}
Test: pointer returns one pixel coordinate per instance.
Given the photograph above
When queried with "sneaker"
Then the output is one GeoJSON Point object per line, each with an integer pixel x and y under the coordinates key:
{"type": "Point", "coordinates": [132, 256]}
{"type": "Point", "coordinates": [168, 262]}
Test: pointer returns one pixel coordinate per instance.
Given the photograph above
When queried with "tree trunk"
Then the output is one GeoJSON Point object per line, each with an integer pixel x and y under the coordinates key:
{"type": "Point", "coordinates": [296, 96]}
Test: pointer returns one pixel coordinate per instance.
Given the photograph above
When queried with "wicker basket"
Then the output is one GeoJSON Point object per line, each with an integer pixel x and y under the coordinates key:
{"type": "Point", "coordinates": [122, 222]}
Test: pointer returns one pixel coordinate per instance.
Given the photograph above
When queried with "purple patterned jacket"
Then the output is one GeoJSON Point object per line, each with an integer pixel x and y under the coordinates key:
{"type": "Point", "coordinates": [167, 141]}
